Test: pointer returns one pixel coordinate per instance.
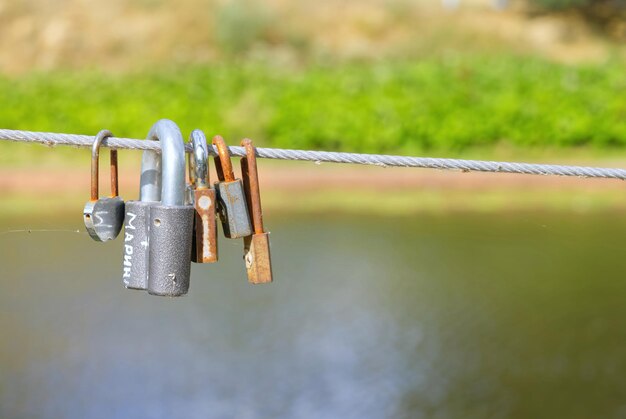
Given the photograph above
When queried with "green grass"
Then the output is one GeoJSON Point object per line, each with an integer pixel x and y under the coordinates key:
{"type": "Point", "coordinates": [435, 105]}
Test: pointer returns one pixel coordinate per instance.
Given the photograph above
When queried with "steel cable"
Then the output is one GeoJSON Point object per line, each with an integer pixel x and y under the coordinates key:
{"type": "Point", "coordinates": [382, 160]}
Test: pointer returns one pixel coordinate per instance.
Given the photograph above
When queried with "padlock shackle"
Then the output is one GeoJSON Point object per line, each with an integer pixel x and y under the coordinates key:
{"type": "Point", "coordinates": [250, 176]}
{"type": "Point", "coordinates": [190, 170]}
{"type": "Point", "coordinates": [199, 160]}
{"type": "Point", "coordinates": [163, 176]}
{"type": "Point", "coordinates": [95, 166]}
{"type": "Point", "coordinates": [225, 165]}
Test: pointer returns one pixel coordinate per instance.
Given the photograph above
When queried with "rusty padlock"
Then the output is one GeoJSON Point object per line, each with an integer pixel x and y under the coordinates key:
{"type": "Point", "coordinates": [204, 244]}
{"type": "Point", "coordinates": [257, 246]}
{"type": "Point", "coordinates": [103, 217]}
{"type": "Point", "coordinates": [231, 201]}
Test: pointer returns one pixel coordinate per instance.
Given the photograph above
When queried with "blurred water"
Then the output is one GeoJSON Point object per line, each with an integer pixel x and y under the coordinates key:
{"type": "Point", "coordinates": [455, 316]}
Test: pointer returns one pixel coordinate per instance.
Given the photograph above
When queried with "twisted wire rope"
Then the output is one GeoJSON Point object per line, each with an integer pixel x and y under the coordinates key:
{"type": "Point", "coordinates": [76, 140]}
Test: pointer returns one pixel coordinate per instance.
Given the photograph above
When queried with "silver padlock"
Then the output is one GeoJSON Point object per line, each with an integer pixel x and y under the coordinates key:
{"type": "Point", "coordinates": [231, 200]}
{"type": "Point", "coordinates": [171, 221]}
{"type": "Point", "coordinates": [103, 217]}
{"type": "Point", "coordinates": [137, 220]}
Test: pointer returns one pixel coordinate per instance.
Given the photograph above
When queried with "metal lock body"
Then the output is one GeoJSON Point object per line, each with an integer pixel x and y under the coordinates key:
{"type": "Point", "coordinates": [204, 242]}
{"type": "Point", "coordinates": [171, 221]}
{"type": "Point", "coordinates": [103, 217]}
{"type": "Point", "coordinates": [136, 236]}
{"type": "Point", "coordinates": [256, 247]}
{"type": "Point", "coordinates": [137, 224]}
{"type": "Point", "coordinates": [169, 263]}
{"type": "Point", "coordinates": [231, 202]}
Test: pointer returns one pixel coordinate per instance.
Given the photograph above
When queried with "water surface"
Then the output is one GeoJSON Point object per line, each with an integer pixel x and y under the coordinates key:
{"type": "Point", "coordinates": [454, 316]}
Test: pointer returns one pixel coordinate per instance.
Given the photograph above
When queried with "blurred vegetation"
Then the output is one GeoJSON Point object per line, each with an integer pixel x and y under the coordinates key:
{"type": "Point", "coordinates": [561, 4]}
{"type": "Point", "coordinates": [379, 76]}
{"type": "Point", "coordinates": [565, 4]}
{"type": "Point", "coordinates": [606, 16]}
{"type": "Point", "coordinates": [452, 103]}
{"type": "Point", "coordinates": [67, 34]}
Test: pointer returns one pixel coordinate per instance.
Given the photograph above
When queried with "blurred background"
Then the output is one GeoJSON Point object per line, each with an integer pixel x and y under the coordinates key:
{"type": "Point", "coordinates": [399, 293]}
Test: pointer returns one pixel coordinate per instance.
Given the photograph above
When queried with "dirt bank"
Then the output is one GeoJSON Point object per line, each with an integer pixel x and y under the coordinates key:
{"type": "Point", "coordinates": [307, 178]}
{"type": "Point", "coordinates": [320, 188]}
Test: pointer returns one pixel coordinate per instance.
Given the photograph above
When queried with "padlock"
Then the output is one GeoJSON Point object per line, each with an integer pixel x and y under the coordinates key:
{"type": "Point", "coordinates": [256, 246]}
{"type": "Point", "coordinates": [171, 221]}
{"type": "Point", "coordinates": [103, 217]}
{"type": "Point", "coordinates": [231, 201]}
{"type": "Point", "coordinates": [204, 243]}
{"type": "Point", "coordinates": [137, 219]}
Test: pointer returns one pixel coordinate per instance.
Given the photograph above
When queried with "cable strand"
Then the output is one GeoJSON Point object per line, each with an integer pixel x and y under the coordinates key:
{"type": "Point", "coordinates": [382, 160]}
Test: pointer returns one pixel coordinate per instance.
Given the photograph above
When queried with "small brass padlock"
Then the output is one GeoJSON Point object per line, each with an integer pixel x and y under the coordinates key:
{"type": "Point", "coordinates": [103, 217]}
{"type": "Point", "coordinates": [257, 246]}
{"type": "Point", "coordinates": [231, 201]}
{"type": "Point", "coordinates": [204, 244]}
